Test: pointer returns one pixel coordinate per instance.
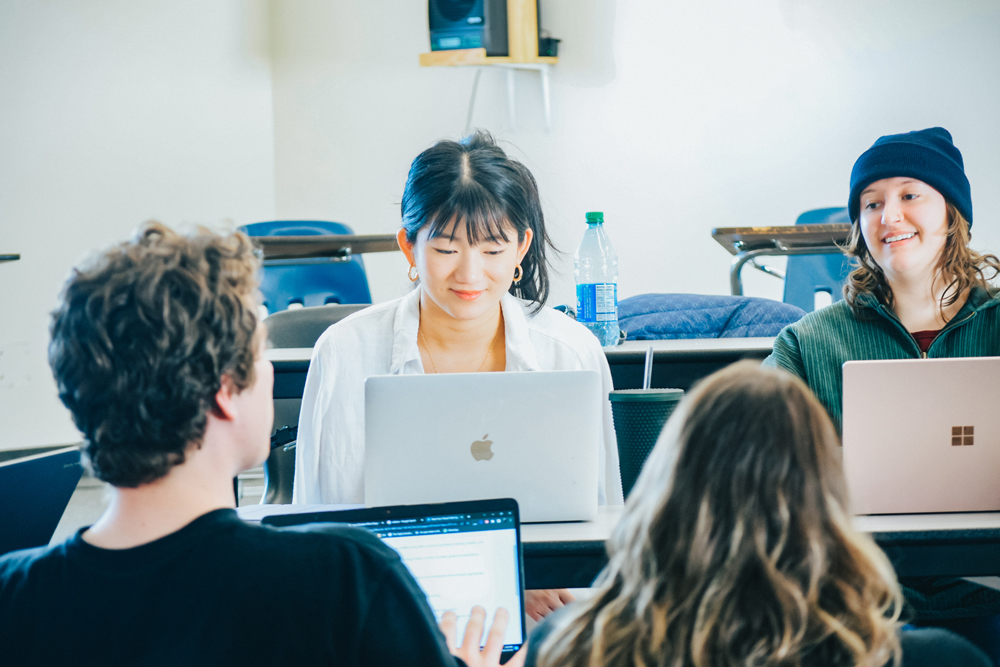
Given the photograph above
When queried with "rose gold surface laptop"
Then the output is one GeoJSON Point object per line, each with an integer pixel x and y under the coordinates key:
{"type": "Point", "coordinates": [922, 435]}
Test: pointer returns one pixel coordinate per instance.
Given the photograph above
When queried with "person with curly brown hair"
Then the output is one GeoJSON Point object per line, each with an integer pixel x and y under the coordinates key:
{"type": "Point", "coordinates": [918, 291]}
{"type": "Point", "coordinates": [158, 354]}
{"type": "Point", "coordinates": [736, 548]}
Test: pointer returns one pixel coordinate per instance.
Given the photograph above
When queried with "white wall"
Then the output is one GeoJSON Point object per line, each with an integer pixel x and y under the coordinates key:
{"type": "Point", "coordinates": [113, 112]}
{"type": "Point", "coordinates": [672, 117]}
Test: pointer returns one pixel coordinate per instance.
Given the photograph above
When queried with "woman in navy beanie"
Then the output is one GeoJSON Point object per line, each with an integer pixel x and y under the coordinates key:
{"type": "Point", "coordinates": [918, 291]}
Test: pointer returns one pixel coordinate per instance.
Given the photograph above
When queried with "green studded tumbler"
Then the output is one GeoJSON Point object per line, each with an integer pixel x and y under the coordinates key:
{"type": "Point", "coordinates": [639, 416]}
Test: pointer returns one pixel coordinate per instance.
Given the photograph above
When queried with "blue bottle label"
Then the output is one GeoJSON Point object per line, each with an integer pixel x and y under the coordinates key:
{"type": "Point", "coordinates": [597, 302]}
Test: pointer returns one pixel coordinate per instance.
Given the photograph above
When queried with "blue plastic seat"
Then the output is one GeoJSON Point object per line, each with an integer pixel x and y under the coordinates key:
{"type": "Point", "coordinates": [807, 274]}
{"type": "Point", "coordinates": [309, 282]}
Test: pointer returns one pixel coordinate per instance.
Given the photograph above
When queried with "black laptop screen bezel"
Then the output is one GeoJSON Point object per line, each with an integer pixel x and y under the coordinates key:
{"type": "Point", "coordinates": [369, 514]}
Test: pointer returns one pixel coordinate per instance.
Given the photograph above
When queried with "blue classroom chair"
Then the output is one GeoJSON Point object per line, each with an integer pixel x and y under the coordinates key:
{"type": "Point", "coordinates": [807, 274]}
{"type": "Point", "coordinates": [309, 282]}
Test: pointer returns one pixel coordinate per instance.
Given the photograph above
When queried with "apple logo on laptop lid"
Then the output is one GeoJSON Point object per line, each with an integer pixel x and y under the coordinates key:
{"type": "Point", "coordinates": [481, 449]}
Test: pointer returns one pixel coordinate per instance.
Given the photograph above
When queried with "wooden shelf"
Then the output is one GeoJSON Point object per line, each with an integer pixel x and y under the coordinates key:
{"type": "Point", "coordinates": [522, 41]}
{"type": "Point", "coordinates": [478, 57]}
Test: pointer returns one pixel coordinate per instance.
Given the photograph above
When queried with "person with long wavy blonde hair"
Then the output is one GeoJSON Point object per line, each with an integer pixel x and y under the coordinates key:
{"type": "Point", "coordinates": [736, 548]}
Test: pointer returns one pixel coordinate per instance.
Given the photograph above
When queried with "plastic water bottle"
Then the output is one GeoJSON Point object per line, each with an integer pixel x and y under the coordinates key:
{"type": "Point", "coordinates": [596, 272]}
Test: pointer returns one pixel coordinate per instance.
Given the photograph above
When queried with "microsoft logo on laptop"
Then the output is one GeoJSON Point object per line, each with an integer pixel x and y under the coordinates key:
{"type": "Point", "coordinates": [962, 435]}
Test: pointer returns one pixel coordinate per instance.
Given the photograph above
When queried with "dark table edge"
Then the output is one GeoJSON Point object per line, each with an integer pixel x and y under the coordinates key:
{"type": "Point", "coordinates": [943, 553]}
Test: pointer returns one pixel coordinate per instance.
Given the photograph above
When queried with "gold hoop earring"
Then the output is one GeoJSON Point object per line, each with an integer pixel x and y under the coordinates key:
{"type": "Point", "coordinates": [518, 273]}
{"type": "Point", "coordinates": [412, 274]}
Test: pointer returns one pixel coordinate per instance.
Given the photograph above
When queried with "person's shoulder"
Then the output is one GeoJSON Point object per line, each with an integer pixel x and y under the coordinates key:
{"type": "Point", "coordinates": [827, 323]}
{"type": "Point", "coordinates": [940, 648]}
{"type": "Point", "coordinates": [559, 328]}
{"type": "Point", "coordinates": [18, 566]}
{"type": "Point", "coordinates": [543, 631]}
{"type": "Point", "coordinates": [331, 539]}
{"type": "Point", "coordinates": [361, 325]}
{"type": "Point", "coordinates": [830, 318]}
{"type": "Point", "coordinates": [985, 298]}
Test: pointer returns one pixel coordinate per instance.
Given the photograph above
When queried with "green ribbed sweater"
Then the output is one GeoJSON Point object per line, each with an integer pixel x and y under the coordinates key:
{"type": "Point", "coordinates": [816, 347]}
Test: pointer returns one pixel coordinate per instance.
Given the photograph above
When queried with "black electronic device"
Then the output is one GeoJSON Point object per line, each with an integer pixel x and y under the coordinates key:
{"type": "Point", "coordinates": [478, 24]}
{"type": "Point", "coordinates": [469, 24]}
{"type": "Point", "coordinates": [34, 493]}
{"type": "Point", "coordinates": [461, 553]}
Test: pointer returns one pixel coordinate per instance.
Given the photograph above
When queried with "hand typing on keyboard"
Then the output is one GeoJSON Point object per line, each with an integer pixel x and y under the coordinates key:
{"type": "Point", "coordinates": [469, 650]}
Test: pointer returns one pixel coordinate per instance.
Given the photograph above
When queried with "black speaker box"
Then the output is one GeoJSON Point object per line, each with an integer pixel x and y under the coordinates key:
{"type": "Point", "coordinates": [469, 24]}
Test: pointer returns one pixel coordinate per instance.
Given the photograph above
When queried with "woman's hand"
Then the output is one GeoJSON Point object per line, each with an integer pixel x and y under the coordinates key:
{"type": "Point", "coordinates": [540, 603]}
{"type": "Point", "coordinates": [469, 650]}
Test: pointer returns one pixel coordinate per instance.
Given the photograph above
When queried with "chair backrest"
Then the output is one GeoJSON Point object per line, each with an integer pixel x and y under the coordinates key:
{"type": "Point", "coordinates": [310, 282]}
{"type": "Point", "coordinates": [299, 327]}
{"type": "Point", "coordinates": [807, 274]}
{"type": "Point", "coordinates": [279, 476]}
{"type": "Point", "coordinates": [302, 327]}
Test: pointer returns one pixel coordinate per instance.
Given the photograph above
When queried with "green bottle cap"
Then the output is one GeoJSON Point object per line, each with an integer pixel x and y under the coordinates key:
{"type": "Point", "coordinates": [595, 216]}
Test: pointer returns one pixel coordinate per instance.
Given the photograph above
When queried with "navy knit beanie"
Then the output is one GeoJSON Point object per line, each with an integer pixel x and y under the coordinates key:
{"type": "Point", "coordinates": [927, 155]}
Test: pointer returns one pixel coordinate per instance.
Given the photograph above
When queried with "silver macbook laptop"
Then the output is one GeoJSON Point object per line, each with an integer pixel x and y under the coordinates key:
{"type": "Point", "coordinates": [531, 436]}
{"type": "Point", "coordinates": [922, 435]}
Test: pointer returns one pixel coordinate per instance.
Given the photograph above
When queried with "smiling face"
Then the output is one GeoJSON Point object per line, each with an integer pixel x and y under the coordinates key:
{"type": "Point", "coordinates": [905, 225]}
{"type": "Point", "coordinates": [463, 280]}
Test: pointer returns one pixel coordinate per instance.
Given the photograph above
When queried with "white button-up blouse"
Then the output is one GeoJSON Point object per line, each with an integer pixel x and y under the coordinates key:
{"type": "Point", "coordinates": [382, 340]}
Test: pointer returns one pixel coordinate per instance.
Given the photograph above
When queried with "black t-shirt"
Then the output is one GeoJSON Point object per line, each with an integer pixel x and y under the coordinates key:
{"type": "Point", "coordinates": [926, 647]}
{"type": "Point", "coordinates": [219, 591]}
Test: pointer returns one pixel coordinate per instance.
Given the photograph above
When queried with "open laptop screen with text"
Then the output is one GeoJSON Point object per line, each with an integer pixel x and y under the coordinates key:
{"type": "Point", "coordinates": [461, 554]}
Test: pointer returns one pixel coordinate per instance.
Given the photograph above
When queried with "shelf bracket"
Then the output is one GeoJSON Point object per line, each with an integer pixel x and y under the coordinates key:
{"type": "Point", "coordinates": [543, 73]}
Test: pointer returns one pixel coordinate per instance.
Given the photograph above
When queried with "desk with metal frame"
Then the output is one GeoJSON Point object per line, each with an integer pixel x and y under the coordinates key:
{"type": "Point", "coordinates": [339, 246]}
{"type": "Point", "coordinates": [748, 243]}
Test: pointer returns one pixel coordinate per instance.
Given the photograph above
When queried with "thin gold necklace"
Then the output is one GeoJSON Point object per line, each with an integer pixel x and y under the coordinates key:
{"type": "Point", "coordinates": [430, 356]}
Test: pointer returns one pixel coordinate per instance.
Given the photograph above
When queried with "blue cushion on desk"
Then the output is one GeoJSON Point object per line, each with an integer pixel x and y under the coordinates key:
{"type": "Point", "coordinates": [656, 316]}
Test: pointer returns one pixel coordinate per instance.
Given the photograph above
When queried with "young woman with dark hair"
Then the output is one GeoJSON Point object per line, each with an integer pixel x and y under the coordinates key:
{"type": "Point", "coordinates": [474, 235]}
{"type": "Point", "coordinates": [736, 548]}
